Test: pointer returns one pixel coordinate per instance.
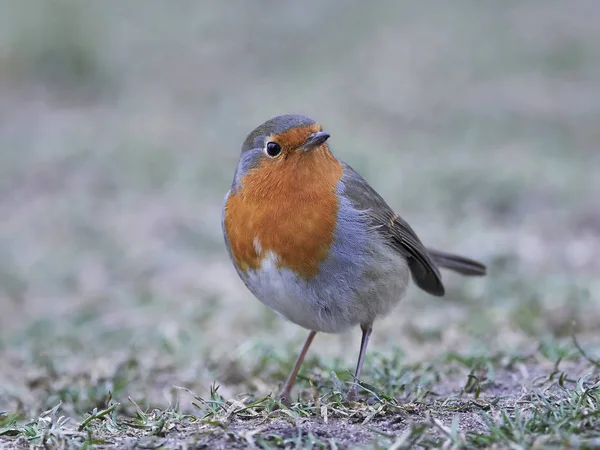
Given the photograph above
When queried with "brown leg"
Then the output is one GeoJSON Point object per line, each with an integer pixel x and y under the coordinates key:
{"type": "Point", "coordinates": [352, 394]}
{"type": "Point", "coordinates": [289, 383]}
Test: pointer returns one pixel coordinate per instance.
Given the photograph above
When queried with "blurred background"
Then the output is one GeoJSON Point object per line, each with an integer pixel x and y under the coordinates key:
{"type": "Point", "coordinates": [121, 124]}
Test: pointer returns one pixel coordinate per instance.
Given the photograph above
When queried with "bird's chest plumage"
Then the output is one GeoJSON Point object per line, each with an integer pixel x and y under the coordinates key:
{"type": "Point", "coordinates": [304, 251]}
{"type": "Point", "coordinates": [285, 214]}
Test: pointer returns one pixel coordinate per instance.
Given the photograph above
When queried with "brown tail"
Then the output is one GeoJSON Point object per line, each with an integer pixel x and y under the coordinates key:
{"type": "Point", "coordinates": [460, 264]}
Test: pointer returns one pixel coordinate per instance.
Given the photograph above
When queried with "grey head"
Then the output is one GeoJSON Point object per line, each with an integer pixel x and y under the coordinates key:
{"type": "Point", "coordinates": [253, 149]}
{"type": "Point", "coordinates": [276, 125]}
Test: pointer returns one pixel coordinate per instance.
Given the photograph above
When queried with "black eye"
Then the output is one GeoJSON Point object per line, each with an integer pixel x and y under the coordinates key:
{"type": "Point", "coordinates": [273, 149]}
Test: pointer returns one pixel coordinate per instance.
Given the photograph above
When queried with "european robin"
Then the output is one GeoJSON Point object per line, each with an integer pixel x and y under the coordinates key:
{"type": "Point", "coordinates": [311, 239]}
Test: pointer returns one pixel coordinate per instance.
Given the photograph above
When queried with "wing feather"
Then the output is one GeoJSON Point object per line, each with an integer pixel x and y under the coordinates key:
{"type": "Point", "coordinates": [395, 230]}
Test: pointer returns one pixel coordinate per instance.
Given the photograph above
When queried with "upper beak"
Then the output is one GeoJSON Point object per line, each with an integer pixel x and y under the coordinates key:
{"type": "Point", "coordinates": [315, 139]}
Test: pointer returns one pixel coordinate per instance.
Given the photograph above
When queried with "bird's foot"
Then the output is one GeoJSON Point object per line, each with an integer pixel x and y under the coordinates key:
{"type": "Point", "coordinates": [285, 397]}
{"type": "Point", "coordinates": [351, 395]}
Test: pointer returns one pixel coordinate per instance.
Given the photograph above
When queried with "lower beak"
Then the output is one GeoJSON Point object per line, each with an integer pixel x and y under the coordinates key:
{"type": "Point", "coordinates": [315, 139]}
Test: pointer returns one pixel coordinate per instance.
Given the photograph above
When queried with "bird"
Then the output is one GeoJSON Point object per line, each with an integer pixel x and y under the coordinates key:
{"type": "Point", "coordinates": [313, 241]}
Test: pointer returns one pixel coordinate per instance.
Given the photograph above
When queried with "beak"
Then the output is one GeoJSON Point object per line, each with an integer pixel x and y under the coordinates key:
{"type": "Point", "coordinates": [314, 140]}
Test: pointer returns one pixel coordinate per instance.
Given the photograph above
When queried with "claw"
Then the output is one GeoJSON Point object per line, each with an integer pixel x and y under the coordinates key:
{"type": "Point", "coordinates": [351, 395]}
{"type": "Point", "coordinates": [284, 398]}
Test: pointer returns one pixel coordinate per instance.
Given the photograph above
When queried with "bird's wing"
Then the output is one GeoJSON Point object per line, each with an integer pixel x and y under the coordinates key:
{"type": "Point", "coordinates": [395, 231]}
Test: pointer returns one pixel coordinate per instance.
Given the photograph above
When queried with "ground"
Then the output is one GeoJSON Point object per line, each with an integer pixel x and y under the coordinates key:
{"type": "Point", "coordinates": [123, 323]}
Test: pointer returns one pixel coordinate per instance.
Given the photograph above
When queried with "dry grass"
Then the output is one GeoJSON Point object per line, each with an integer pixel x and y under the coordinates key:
{"type": "Point", "coordinates": [120, 127]}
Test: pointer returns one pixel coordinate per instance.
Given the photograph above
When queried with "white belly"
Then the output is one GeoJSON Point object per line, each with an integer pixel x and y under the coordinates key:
{"type": "Point", "coordinates": [341, 296]}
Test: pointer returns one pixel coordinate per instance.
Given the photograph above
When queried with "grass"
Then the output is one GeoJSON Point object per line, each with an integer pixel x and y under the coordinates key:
{"type": "Point", "coordinates": [122, 322]}
{"type": "Point", "coordinates": [481, 402]}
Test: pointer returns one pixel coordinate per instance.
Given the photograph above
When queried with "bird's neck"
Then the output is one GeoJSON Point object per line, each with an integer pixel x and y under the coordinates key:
{"type": "Point", "coordinates": [300, 177]}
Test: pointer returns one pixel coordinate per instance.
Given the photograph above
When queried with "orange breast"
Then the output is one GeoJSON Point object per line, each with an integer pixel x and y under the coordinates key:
{"type": "Point", "coordinates": [288, 207]}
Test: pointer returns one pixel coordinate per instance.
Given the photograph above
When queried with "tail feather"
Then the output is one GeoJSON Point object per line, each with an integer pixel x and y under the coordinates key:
{"type": "Point", "coordinates": [460, 264]}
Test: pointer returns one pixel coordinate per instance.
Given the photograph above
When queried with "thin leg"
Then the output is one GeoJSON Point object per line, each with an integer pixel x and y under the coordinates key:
{"type": "Point", "coordinates": [289, 383]}
{"type": "Point", "coordinates": [352, 394]}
